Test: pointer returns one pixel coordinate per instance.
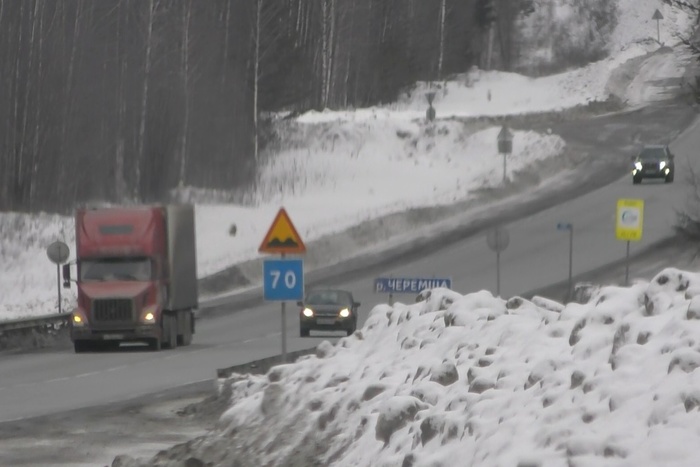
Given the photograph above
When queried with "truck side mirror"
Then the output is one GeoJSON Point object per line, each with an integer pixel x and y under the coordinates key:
{"type": "Point", "coordinates": [356, 304]}
{"type": "Point", "coordinates": [66, 276]}
{"type": "Point", "coordinates": [300, 303]}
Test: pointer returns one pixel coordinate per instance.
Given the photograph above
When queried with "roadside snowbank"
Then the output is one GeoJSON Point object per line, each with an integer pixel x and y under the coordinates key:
{"type": "Point", "coordinates": [492, 382]}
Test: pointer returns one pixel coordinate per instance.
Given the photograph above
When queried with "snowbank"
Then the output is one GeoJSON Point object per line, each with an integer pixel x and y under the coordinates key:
{"type": "Point", "coordinates": [490, 382]}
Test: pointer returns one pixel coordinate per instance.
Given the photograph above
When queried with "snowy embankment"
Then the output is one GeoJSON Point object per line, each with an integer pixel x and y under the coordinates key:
{"type": "Point", "coordinates": [490, 382]}
{"type": "Point", "coordinates": [330, 178]}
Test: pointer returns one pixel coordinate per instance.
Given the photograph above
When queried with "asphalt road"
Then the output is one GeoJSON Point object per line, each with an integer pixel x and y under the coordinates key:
{"type": "Point", "coordinates": [49, 382]}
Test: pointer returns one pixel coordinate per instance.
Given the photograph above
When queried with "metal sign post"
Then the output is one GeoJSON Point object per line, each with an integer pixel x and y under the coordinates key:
{"type": "Point", "coordinates": [498, 240]}
{"type": "Point", "coordinates": [58, 253]}
{"type": "Point", "coordinates": [627, 264]}
{"type": "Point", "coordinates": [505, 146]}
{"type": "Point", "coordinates": [283, 325]}
{"type": "Point", "coordinates": [628, 226]}
{"type": "Point", "coordinates": [568, 226]}
{"type": "Point", "coordinates": [283, 279]}
{"type": "Point", "coordinates": [658, 17]}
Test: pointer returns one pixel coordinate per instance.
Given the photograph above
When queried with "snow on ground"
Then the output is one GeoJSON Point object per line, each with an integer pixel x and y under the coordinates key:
{"type": "Point", "coordinates": [490, 382]}
{"type": "Point", "coordinates": [636, 26]}
{"type": "Point", "coordinates": [326, 189]}
{"type": "Point", "coordinates": [337, 177]}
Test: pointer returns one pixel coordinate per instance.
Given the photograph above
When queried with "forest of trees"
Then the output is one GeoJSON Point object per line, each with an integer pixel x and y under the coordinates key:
{"type": "Point", "coordinates": [125, 100]}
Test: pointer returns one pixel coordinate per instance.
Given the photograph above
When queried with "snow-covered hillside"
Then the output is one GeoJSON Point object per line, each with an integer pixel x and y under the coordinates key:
{"type": "Point", "coordinates": [476, 380]}
{"type": "Point", "coordinates": [333, 174]}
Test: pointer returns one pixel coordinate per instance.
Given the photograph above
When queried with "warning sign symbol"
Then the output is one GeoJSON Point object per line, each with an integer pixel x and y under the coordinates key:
{"type": "Point", "coordinates": [282, 237]}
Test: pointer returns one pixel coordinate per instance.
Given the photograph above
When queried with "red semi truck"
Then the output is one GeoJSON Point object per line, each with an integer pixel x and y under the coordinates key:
{"type": "Point", "coordinates": [136, 277]}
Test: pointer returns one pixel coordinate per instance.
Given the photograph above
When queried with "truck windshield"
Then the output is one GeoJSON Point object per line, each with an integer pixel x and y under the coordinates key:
{"type": "Point", "coordinates": [115, 269]}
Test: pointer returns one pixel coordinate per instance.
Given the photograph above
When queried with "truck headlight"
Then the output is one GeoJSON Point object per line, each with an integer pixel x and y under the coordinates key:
{"type": "Point", "coordinates": [78, 319]}
{"type": "Point", "coordinates": [344, 313]}
{"type": "Point", "coordinates": [148, 315]}
{"type": "Point", "coordinates": [662, 164]}
{"type": "Point", "coordinates": [638, 165]}
{"type": "Point", "coordinates": [308, 312]}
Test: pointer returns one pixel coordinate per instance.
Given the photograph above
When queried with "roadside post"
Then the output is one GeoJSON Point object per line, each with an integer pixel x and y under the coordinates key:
{"type": "Point", "coordinates": [628, 226]}
{"type": "Point", "coordinates": [505, 146]}
{"type": "Point", "coordinates": [498, 240]}
{"type": "Point", "coordinates": [283, 279]}
{"type": "Point", "coordinates": [408, 285]}
{"type": "Point", "coordinates": [658, 17]}
{"type": "Point", "coordinates": [568, 226]}
{"type": "Point", "coordinates": [58, 253]}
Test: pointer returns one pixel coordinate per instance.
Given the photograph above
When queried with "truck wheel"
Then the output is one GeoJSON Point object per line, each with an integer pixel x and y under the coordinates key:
{"type": "Point", "coordinates": [186, 337]}
{"type": "Point", "coordinates": [154, 344]}
{"type": "Point", "coordinates": [81, 346]}
{"type": "Point", "coordinates": [170, 329]}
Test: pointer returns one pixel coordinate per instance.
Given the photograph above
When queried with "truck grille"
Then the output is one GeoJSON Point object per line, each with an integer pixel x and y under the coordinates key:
{"type": "Point", "coordinates": [112, 310]}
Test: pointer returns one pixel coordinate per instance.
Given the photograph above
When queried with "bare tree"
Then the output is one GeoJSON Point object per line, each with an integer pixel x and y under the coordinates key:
{"type": "Point", "coordinates": [185, 54]}
{"type": "Point", "coordinates": [124, 99]}
{"type": "Point", "coordinates": [144, 97]}
{"type": "Point", "coordinates": [441, 53]}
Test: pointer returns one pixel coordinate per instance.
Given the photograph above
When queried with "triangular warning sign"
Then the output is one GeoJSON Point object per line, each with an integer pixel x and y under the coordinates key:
{"type": "Point", "coordinates": [282, 237]}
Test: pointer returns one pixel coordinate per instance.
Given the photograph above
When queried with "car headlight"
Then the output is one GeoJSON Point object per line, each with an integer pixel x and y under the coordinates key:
{"type": "Point", "coordinates": [148, 314]}
{"type": "Point", "coordinates": [344, 313]}
{"type": "Point", "coordinates": [638, 165]}
{"type": "Point", "coordinates": [308, 312]}
{"type": "Point", "coordinates": [662, 164]}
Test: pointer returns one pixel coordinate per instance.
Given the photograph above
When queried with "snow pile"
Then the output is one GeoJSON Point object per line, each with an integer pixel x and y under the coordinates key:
{"type": "Point", "coordinates": [492, 383]}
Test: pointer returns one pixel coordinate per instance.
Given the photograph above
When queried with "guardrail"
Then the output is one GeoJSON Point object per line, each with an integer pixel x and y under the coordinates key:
{"type": "Point", "coordinates": [34, 322]}
{"type": "Point", "coordinates": [33, 332]}
{"type": "Point", "coordinates": [11, 331]}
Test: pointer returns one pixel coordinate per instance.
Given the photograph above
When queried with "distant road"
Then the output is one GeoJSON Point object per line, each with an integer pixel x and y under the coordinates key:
{"type": "Point", "coordinates": [46, 382]}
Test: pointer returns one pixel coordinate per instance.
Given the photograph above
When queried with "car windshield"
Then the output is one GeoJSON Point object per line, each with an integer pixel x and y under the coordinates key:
{"type": "Point", "coordinates": [652, 154]}
{"type": "Point", "coordinates": [115, 269]}
{"type": "Point", "coordinates": [329, 297]}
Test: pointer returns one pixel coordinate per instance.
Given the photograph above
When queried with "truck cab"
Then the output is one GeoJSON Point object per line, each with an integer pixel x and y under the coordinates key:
{"type": "Point", "coordinates": [136, 277]}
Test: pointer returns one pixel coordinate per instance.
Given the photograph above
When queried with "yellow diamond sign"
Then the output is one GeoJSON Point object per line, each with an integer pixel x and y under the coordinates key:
{"type": "Point", "coordinates": [630, 219]}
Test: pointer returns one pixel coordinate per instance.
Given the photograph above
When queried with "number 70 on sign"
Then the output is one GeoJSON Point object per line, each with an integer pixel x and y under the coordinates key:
{"type": "Point", "coordinates": [283, 279]}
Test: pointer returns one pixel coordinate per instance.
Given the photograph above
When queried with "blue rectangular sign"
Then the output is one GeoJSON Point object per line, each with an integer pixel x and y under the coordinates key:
{"type": "Point", "coordinates": [409, 284]}
{"type": "Point", "coordinates": [283, 279]}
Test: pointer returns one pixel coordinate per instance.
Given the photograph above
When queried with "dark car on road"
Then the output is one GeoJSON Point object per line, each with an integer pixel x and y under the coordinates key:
{"type": "Point", "coordinates": [328, 310]}
{"type": "Point", "coordinates": [653, 162]}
